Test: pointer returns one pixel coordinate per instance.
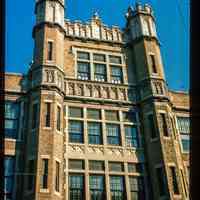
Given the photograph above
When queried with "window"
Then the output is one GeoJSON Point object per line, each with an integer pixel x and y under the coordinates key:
{"type": "Point", "coordinates": [116, 74]}
{"type": "Point", "coordinates": [75, 112]}
{"type": "Point", "coordinates": [136, 188]}
{"type": "Point", "coordinates": [161, 180]}
{"type": "Point", "coordinates": [135, 168]}
{"type": "Point", "coordinates": [93, 114]}
{"type": "Point", "coordinates": [111, 115]}
{"type": "Point", "coordinates": [44, 176]}
{"type": "Point", "coordinates": [131, 136]}
{"type": "Point", "coordinates": [76, 164]}
{"type": "Point", "coordinates": [115, 59]}
{"type": "Point", "coordinates": [47, 114]}
{"type": "Point", "coordinates": [50, 51]}
{"type": "Point", "coordinates": [129, 117]}
{"type": "Point", "coordinates": [96, 165]}
{"type": "Point", "coordinates": [153, 64]}
{"type": "Point", "coordinates": [76, 187]}
{"type": "Point", "coordinates": [11, 119]}
{"type": "Point", "coordinates": [184, 130]}
{"type": "Point", "coordinates": [57, 178]}
{"type": "Point", "coordinates": [113, 134]}
{"type": "Point", "coordinates": [116, 166]}
{"type": "Point", "coordinates": [97, 187]}
{"type": "Point", "coordinates": [94, 133]}
{"type": "Point", "coordinates": [99, 72]}
{"type": "Point", "coordinates": [30, 174]}
{"type": "Point", "coordinates": [99, 57]}
{"type": "Point", "coordinates": [174, 180]}
{"type": "Point", "coordinates": [34, 115]}
{"type": "Point", "coordinates": [164, 124]}
{"type": "Point", "coordinates": [58, 118]}
{"type": "Point", "coordinates": [83, 55]}
{"type": "Point", "coordinates": [83, 71]}
{"type": "Point", "coordinates": [76, 131]}
{"type": "Point", "coordinates": [9, 164]}
{"type": "Point", "coordinates": [152, 126]}
{"type": "Point", "coordinates": [117, 188]}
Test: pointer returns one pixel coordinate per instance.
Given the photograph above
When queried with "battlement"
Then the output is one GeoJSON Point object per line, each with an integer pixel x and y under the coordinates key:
{"type": "Point", "coordinates": [93, 29]}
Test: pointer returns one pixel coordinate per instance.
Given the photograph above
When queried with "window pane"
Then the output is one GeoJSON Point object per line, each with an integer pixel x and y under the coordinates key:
{"type": "Point", "coordinates": [100, 72]}
{"type": "Point", "coordinates": [135, 167]}
{"type": "Point", "coordinates": [97, 182]}
{"type": "Point", "coordinates": [117, 188]}
{"type": "Point", "coordinates": [113, 134]}
{"type": "Point", "coordinates": [116, 74]}
{"type": "Point", "coordinates": [11, 110]}
{"type": "Point", "coordinates": [185, 143]}
{"type": "Point", "coordinates": [76, 164]}
{"type": "Point", "coordinates": [9, 165]}
{"type": "Point", "coordinates": [131, 136]}
{"type": "Point", "coordinates": [11, 128]}
{"type": "Point", "coordinates": [99, 57]}
{"type": "Point", "coordinates": [111, 115]}
{"type": "Point", "coordinates": [83, 70]}
{"type": "Point", "coordinates": [129, 117]}
{"type": "Point", "coordinates": [116, 166]}
{"type": "Point", "coordinates": [75, 112]}
{"type": "Point", "coordinates": [94, 133]}
{"type": "Point", "coordinates": [83, 55]}
{"type": "Point", "coordinates": [96, 165]}
{"type": "Point", "coordinates": [75, 131]}
{"type": "Point", "coordinates": [93, 114]}
{"type": "Point", "coordinates": [115, 59]}
{"type": "Point", "coordinates": [183, 124]}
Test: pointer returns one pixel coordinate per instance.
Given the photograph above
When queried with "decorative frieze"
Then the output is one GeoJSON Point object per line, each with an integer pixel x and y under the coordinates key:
{"type": "Point", "coordinates": [99, 90]}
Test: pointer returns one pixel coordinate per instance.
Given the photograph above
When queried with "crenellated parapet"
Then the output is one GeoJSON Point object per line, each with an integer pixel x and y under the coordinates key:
{"type": "Point", "coordinates": [93, 29]}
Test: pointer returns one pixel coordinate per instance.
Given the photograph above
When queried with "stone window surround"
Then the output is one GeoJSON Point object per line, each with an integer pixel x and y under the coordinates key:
{"type": "Point", "coordinates": [53, 50]}
{"type": "Point", "coordinates": [107, 63]}
{"type": "Point", "coordinates": [103, 122]}
{"type": "Point", "coordinates": [56, 105]}
{"type": "Point", "coordinates": [38, 111]}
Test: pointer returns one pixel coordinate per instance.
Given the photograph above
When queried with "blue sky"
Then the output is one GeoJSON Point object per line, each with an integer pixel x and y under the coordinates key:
{"type": "Point", "coordinates": [172, 17]}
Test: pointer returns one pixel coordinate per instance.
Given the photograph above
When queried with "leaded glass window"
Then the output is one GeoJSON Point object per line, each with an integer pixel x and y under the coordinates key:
{"type": "Point", "coordinates": [111, 115]}
{"type": "Point", "coordinates": [115, 59]}
{"type": "Point", "coordinates": [83, 55]}
{"type": "Point", "coordinates": [113, 134]}
{"type": "Point", "coordinates": [131, 136]}
{"type": "Point", "coordinates": [93, 114]}
{"type": "Point", "coordinates": [83, 70]}
{"type": "Point", "coordinates": [117, 188]}
{"type": "Point", "coordinates": [136, 188]}
{"type": "Point", "coordinates": [116, 74]}
{"type": "Point", "coordinates": [76, 164]}
{"type": "Point", "coordinates": [99, 72]}
{"type": "Point", "coordinates": [116, 166]}
{"type": "Point", "coordinates": [96, 165]}
{"type": "Point", "coordinates": [99, 57]}
{"type": "Point", "coordinates": [75, 112]}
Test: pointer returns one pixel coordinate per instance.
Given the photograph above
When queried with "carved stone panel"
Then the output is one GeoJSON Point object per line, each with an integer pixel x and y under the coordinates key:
{"type": "Point", "coordinates": [88, 90]}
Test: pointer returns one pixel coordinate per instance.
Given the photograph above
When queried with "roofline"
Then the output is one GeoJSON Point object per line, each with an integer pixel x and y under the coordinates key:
{"type": "Point", "coordinates": [14, 74]}
{"type": "Point", "coordinates": [179, 91]}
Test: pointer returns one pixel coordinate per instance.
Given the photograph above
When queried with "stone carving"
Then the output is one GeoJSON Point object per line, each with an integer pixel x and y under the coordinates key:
{"type": "Point", "coordinates": [49, 76]}
{"type": "Point", "coordinates": [79, 90]}
{"type": "Point", "coordinates": [88, 91]}
{"type": "Point", "coordinates": [71, 88]}
{"type": "Point", "coordinates": [97, 150]}
{"type": "Point", "coordinates": [113, 93]}
{"type": "Point", "coordinates": [96, 92]}
{"type": "Point", "coordinates": [105, 93]}
{"type": "Point", "coordinates": [77, 149]}
{"type": "Point", "coordinates": [122, 94]}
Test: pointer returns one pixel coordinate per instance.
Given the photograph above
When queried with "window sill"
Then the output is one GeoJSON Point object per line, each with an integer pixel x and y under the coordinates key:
{"type": "Point", "coordinates": [44, 190]}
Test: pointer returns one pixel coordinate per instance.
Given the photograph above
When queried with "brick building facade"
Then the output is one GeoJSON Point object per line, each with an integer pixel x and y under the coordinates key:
{"type": "Point", "coordinates": [93, 118]}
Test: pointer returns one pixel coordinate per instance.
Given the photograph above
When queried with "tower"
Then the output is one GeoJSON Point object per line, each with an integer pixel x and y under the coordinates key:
{"type": "Point", "coordinates": [164, 160]}
{"type": "Point", "coordinates": [45, 139]}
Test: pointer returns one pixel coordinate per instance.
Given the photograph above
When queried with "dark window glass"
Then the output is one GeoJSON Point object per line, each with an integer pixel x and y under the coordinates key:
{"type": "Point", "coordinates": [129, 117]}
{"type": "Point", "coordinates": [83, 71]}
{"type": "Point", "coordinates": [131, 136]}
{"type": "Point", "coordinates": [34, 115]}
{"type": "Point", "coordinates": [161, 181]}
{"type": "Point", "coordinates": [93, 114]}
{"type": "Point", "coordinates": [75, 112]}
{"type": "Point", "coordinates": [116, 74]}
{"type": "Point", "coordinates": [50, 50]}
{"type": "Point", "coordinates": [57, 178]}
{"type": "Point", "coordinates": [174, 180]}
{"type": "Point", "coordinates": [96, 165]}
{"type": "Point", "coordinates": [116, 166]}
{"type": "Point", "coordinates": [76, 187]}
{"type": "Point", "coordinates": [76, 131]}
{"type": "Point", "coordinates": [99, 72]}
{"type": "Point", "coordinates": [164, 124]}
{"type": "Point", "coordinates": [9, 164]}
{"type": "Point", "coordinates": [111, 115]}
{"type": "Point", "coordinates": [44, 176]}
{"type": "Point", "coordinates": [135, 167]}
{"type": "Point", "coordinates": [152, 126]}
{"type": "Point", "coordinates": [113, 134]}
{"type": "Point", "coordinates": [47, 114]}
{"type": "Point", "coordinates": [115, 59]}
{"type": "Point", "coordinates": [11, 119]}
{"type": "Point", "coordinates": [94, 133]}
{"type": "Point", "coordinates": [83, 55]}
{"type": "Point", "coordinates": [99, 57]}
{"type": "Point", "coordinates": [97, 191]}
{"type": "Point", "coordinates": [136, 188]}
{"type": "Point", "coordinates": [58, 118]}
{"type": "Point", "coordinates": [76, 164]}
{"type": "Point", "coordinates": [117, 188]}
{"type": "Point", "coordinates": [153, 63]}
{"type": "Point", "coordinates": [30, 174]}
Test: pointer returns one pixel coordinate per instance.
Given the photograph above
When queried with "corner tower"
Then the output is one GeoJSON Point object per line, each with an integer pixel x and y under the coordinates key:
{"type": "Point", "coordinates": [164, 161]}
{"type": "Point", "coordinates": [45, 138]}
